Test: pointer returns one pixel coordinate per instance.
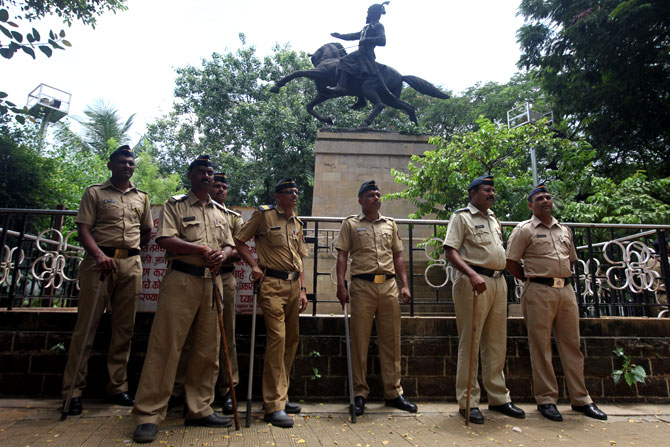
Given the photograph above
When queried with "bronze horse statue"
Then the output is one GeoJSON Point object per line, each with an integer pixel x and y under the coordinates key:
{"type": "Point", "coordinates": [380, 94]}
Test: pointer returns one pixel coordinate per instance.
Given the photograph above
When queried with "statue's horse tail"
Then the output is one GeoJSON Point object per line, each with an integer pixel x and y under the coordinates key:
{"type": "Point", "coordinates": [425, 87]}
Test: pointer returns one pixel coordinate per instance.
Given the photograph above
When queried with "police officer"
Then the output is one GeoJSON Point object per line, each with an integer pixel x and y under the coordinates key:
{"type": "Point", "coordinates": [549, 304]}
{"type": "Point", "coordinates": [376, 256]}
{"type": "Point", "coordinates": [113, 221]}
{"type": "Point", "coordinates": [193, 230]}
{"type": "Point", "coordinates": [219, 192]}
{"type": "Point", "coordinates": [474, 246]}
{"type": "Point", "coordinates": [280, 246]}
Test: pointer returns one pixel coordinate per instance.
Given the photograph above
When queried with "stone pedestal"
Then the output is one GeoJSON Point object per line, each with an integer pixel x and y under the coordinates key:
{"type": "Point", "coordinates": [344, 160]}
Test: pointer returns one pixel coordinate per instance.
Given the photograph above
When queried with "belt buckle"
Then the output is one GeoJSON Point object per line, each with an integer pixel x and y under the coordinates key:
{"type": "Point", "coordinates": [559, 283]}
{"type": "Point", "coordinates": [497, 273]}
{"type": "Point", "coordinates": [292, 276]}
{"type": "Point", "coordinates": [207, 273]}
{"type": "Point", "coordinates": [380, 279]}
{"type": "Point", "coordinates": [120, 253]}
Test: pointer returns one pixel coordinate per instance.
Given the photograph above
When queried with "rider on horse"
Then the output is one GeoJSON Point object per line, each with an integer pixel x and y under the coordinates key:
{"type": "Point", "coordinates": [362, 62]}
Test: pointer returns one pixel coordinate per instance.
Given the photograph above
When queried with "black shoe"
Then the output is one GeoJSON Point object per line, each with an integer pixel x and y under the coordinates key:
{"type": "Point", "coordinates": [122, 399]}
{"type": "Point", "coordinates": [291, 408]}
{"type": "Point", "coordinates": [176, 401]}
{"type": "Point", "coordinates": [227, 404]}
{"type": "Point", "coordinates": [591, 411]}
{"type": "Point", "coordinates": [550, 412]}
{"type": "Point", "coordinates": [279, 419]}
{"type": "Point", "coordinates": [509, 409]}
{"type": "Point", "coordinates": [476, 416]}
{"type": "Point", "coordinates": [401, 403]}
{"type": "Point", "coordinates": [145, 433]}
{"type": "Point", "coordinates": [210, 421]}
{"type": "Point", "coordinates": [359, 405]}
{"type": "Point", "coordinates": [75, 406]}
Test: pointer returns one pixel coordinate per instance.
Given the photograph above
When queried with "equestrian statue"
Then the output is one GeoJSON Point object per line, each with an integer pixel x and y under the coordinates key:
{"type": "Point", "coordinates": [337, 73]}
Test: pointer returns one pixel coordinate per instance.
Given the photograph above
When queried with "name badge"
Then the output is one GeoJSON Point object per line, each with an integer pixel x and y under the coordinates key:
{"type": "Point", "coordinates": [541, 235]}
{"type": "Point", "coordinates": [275, 228]}
{"type": "Point", "coordinates": [361, 229]}
{"type": "Point", "coordinates": [479, 226]}
{"type": "Point", "coordinates": [189, 218]}
{"type": "Point", "coordinates": [109, 201]}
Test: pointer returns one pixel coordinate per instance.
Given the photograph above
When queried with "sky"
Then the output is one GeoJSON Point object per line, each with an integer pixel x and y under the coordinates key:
{"type": "Point", "coordinates": [129, 59]}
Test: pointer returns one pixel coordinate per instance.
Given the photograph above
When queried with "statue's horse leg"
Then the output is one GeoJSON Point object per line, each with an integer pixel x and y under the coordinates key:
{"type": "Point", "coordinates": [318, 99]}
{"type": "Point", "coordinates": [378, 95]}
{"type": "Point", "coordinates": [316, 74]}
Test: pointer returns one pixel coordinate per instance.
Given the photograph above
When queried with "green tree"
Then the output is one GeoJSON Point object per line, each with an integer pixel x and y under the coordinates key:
{"type": "Point", "coordinates": [102, 124]}
{"type": "Point", "coordinates": [437, 181]}
{"type": "Point", "coordinates": [606, 64]}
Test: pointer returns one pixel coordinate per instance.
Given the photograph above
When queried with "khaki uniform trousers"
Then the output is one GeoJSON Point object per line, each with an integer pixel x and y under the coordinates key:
{"type": "Point", "coordinates": [229, 292]}
{"type": "Point", "coordinates": [280, 301]}
{"type": "Point", "coordinates": [122, 290]}
{"type": "Point", "coordinates": [375, 302]}
{"type": "Point", "coordinates": [184, 303]}
{"type": "Point", "coordinates": [490, 340]}
{"type": "Point", "coordinates": [548, 309]}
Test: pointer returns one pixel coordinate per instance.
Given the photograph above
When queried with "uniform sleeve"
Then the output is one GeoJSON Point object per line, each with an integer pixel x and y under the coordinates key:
{"type": "Point", "coordinates": [396, 245]}
{"type": "Point", "coordinates": [87, 208]}
{"type": "Point", "coordinates": [250, 227]}
{"type": "Point", "coordinates": [516, 246]}
{"type": "Point", "coordinates": [238, 222]}
{"type": "Point", "coordinates": [168, 221]}
{"type": "Point", "coordinates": [343, 241]}
{"type": "Point", "coordinates": [455, 232]}
{"type": "Point", "coordinates": [147, 220]}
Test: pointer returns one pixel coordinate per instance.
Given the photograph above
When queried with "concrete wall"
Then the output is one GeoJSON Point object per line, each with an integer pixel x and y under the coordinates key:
{"type": "Point", "coordinates": [29, 365]}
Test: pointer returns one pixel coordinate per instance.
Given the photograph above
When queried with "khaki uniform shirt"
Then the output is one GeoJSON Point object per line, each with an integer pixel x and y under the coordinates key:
{"type": "Point", "coordinates": [477, 238]}
{"type": "Point", "coordinates": [279, 240]}
{"type": "Point", "coordinates": [185, 217]}
{"type": "Point", "coordinates": [235, 223]}
{"type": "Point", "coordinates": [546, 251]}
{"type": "Point", "coordinates": [115, 217]}
{"type": "Point", "coordinates": [371, 244]}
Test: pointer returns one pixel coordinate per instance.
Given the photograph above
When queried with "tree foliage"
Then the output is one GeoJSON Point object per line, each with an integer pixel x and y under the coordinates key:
{"type": "Point", "coordinates": [437, 181]}
{"type": "Point", "coordinates": [102, 124]}
{"type": "Point", "coordinates": [606, 64]}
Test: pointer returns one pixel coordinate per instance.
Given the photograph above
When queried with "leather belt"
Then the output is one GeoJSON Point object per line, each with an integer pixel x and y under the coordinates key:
{"type": "Point", "coordinates": [557, 283]}
{"type": "Point", "coordinates": [119, 253]}
{"type": "Point", "coordinates": [288, 276]}
{"type": "Point", "coordinates": [487, 272]}
{"type": "Point", "coordinates": [375, 278]}
{"type": "Point", "coordinates": [191, 269]}
{"type": "Point", "coordinates": [226, 269]}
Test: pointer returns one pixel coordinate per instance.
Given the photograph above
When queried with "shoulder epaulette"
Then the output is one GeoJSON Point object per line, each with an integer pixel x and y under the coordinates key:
{"type": "Point", "coordinates": [143, 192]}
{"type": "Point", "coordinates": [350, 217]}
{"type": "Point", "coordinates": [179, 197]}
{"type": "Point", "coordinates": [460, 211]}
{"type": "Point", "coordinates": [266, 207]}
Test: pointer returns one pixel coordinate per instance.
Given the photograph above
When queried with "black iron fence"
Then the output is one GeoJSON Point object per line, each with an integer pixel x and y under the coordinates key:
{"type": "Point", "coordinates": [619, 272]}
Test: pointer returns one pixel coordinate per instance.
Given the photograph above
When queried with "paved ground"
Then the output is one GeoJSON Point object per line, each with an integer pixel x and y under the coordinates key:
{"type": "Point", "coordinates": [36, 423]}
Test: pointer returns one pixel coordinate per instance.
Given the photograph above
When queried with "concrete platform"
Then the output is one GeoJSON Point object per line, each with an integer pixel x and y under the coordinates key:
{"type": "Point", "coordinates": [36, 423]}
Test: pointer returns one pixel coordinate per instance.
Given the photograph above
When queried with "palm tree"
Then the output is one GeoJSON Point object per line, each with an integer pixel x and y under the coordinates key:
{"type": "Point", "coordinates": [103, 123]}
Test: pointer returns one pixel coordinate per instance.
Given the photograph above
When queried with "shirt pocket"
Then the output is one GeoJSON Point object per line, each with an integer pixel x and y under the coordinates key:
{"type": "Point", "coordinates": [111, 211]}
{"type": "Point", "coordinates": [541, 246]}
{"type": "Point", "coordinates": [387, 238]}
{"type": "Point", "coordinates": [362, 238]}
{"type": "Point", "coordinates": [193, 230]}
{"type": "Point", "coordinates": [276, 237]}
{"type": "Point", "coordinates": [482, 236]}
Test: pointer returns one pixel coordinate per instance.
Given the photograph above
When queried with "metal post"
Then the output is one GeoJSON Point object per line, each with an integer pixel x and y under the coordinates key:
{"type": "Point", "coordinates": [15, 274]}
{"type": "Point", "coordinates": [411, 269]}
{"type": "Point", "coordinates": [315, 269]}
{"type": "Point", "coordinates": [665, 267]}
{"type": "Point", "coordinates": [578, 286]}
{"type": "Point", "coordinates": [533, 162]}
{"type": "Point", "coordinates": [594, 284]}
